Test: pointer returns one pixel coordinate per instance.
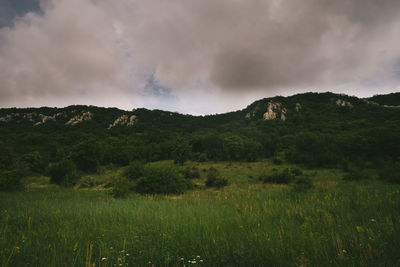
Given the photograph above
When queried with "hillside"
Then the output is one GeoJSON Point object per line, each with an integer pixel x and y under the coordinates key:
{"type": "Point", "coordinates": [314, 129]}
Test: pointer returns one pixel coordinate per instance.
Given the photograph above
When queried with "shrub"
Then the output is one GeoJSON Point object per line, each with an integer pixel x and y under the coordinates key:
{"type": "Point", "coordinates": [390, 173]}
{"type": "Point", "coordinates": [121, 187]}
{"type": "Point", "coordinates": [356, 174]}
{"type": "Point", "coordinates": [135, 170]}
{"type": "Point", "coordinates": [63, 173]}
{"type": "Point", "coordinates": [283, 177]}
{"type": "Point", "coordinates": [86, 155]}
{"type": "Point", "coordinates": [302, 184]}
{"type": "Point", "coordinates": [35, 162]}
{"type": "Point", "coordinates": [214, 180]}
{"type": "Point", "coordinates": [10, 180]}
{"type": "Point", "coordinates": [296, 171]}
{"type": "Point", "coordinates": [11, 170]}
{"type": "Point", "coordinates": [162, 178]}
{"type": "Point", "coordinates": [191, 173]}
{"type": "Point", "coordinates": [277, 161]}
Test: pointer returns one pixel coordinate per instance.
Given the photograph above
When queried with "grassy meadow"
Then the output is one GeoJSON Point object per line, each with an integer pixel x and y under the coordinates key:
{"type": "Point", "coordinates": [248, 223]}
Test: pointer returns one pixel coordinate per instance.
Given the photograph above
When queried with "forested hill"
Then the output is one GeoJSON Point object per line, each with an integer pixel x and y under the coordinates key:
{"type": "Point", "coordinates": [314, 129]}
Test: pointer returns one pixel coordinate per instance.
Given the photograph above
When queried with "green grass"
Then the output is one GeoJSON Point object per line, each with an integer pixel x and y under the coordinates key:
{"type": "Point", "coordinates": [337, 223]}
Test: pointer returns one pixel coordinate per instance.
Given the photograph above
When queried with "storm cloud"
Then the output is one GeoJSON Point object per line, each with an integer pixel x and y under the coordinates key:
{"type": "Point", "coordinates": [203, 56]}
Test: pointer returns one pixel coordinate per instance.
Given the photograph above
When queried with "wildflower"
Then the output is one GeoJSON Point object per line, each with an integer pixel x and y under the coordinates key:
{"type": "Point", "coordinates": [76, 246]}
{"type": "Point", "coordinates": [200, 260]}
{"type": "Point", "coordinates": [344, 251]}
{"type": "Point", "coordinates": [17, 249]}
{"type": "Point", "coordinates": [372, 220]}
{"type": "Point", "coordinates": [103, 259]}
{"type": "Point", "coordinates": [198, 257]}
{"type": "Point", "coordinates": [359, 229]}
{"type": "Point", "coordinates": [182, 259]}
{"type": "Point", "coordinates": [127, 254]}
{"type": "Point", "coordinates": [122, 251]}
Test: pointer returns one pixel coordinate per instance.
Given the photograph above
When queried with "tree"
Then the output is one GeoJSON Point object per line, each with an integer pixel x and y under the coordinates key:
{"type": "Point", "coordinates": [162, 178]}
{"type": "Point", "coordinates": [86, 155]}
{"type": "Point", "coordinates": [182, 151]}
{"type": "Point", "coordinates": [63, 173]}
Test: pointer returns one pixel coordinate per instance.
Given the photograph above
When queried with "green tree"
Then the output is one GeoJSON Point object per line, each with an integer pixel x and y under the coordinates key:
{"type": "Point", "coordinates": [162, 178]}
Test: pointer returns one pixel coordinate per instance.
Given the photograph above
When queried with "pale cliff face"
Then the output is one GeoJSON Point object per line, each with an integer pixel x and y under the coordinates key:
{"type": "Point", "coordinates": [273, 111]}
{"type": "Point", "coordinates": [343, 103]}
{"type": "Point", "coordinates": [84, 116]}
{"type": "Point", "coordinates": [123, 120]}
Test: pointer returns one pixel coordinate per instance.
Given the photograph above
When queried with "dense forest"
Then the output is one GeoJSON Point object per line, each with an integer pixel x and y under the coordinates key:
{"type": "Point", "coordinates": [311, 129]}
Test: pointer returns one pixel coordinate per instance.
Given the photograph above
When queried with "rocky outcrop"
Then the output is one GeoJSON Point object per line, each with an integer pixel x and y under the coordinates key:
{"type": "Point", "coordinates": [273, 110]}
{"type": "Point", "coordinates": [43, 118]}
{"type": "Point", "coordinates": [343, 103]}
{"type": "Point", "coordinates": [123, 120]}
{"type": "Point", "coordinates": [84, 116]}
{"type": "Point", "coordinates": [298, 107]}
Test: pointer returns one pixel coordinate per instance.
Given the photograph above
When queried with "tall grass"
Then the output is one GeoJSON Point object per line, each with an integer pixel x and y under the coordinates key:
{"type": "Point", "coordinates": [346, 224]}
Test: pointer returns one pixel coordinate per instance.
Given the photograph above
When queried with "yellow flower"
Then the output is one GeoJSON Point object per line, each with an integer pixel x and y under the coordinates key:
{"type": "Point", "coordinates": [75, 246]}
{"type": "Point", "coordinates": [17, 249]}
{"type": "Point", "coordinates": [359, 229]}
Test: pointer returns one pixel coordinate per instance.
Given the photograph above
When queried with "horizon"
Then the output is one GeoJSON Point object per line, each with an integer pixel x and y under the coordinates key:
{"type": "Point", "coordinates": [197, 115]}
{"type": "Point", "coordinates": [192, 57]}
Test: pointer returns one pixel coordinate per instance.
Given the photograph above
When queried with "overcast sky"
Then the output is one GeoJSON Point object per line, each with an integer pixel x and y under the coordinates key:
{"type": "Point", "coordinates": [194, 56]}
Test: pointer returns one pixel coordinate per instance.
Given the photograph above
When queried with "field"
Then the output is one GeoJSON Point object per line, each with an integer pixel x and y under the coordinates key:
{"type": "Point", "coordinates": [247, 223]}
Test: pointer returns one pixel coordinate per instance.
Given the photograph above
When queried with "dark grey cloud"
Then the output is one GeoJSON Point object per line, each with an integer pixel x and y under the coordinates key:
{"type": "Point", "coordinates": [209, 56]}
{"type": "Point", "coordinates": [9, 9]}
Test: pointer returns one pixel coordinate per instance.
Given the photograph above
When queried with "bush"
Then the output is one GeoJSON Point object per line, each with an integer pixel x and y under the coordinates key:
{"type": "Point", "coordinates": [121, 187]}
{"type": "Point", "coordinates": [11, 170]}
{"type": "Point", "coordinates": [35, 162]}
{"type": "Point", "coordinates": [277, 161]}
{"type": "Point", "coordinates": [86, 155]}
{"type": "Point", "coordinates": [390, 173]}
{"type": "Point", "coordinates": [302, 184]}
{"type": "Point", "coordinates": [63, 173]}
{"type": "Point", "coordinates": [296, 171]}
{"type": "Point", "coordinates": [10, 180]}
{"type": "Point", "coordinates": [356, 174]}
{"type": "Point", "coordinates": [162, 178]}
{"type": "Point", "coordinates": [135, 170]}
{"type": "Point", "coordinates": [214, 180]}
{"type": "Point", "coordinates": [283, 177]}
{"type": "Point", "coordinates": [191, 173]}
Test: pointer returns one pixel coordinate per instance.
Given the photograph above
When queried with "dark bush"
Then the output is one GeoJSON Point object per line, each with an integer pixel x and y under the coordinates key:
{"type": "Point", "coordinates": [191, 173]}
{"type": "Point", "coordinates": [86, 155]}
{"type": "Point", "coordinates": [35, 162]}
{"type": "Point", "coordinates": [283, 177]}
{"type": "Point", "coordinates": [11, 170]}
{"type": "Point", "coordinates": [302, 184]}
{"type": "Point", "coordinates": [390, 173]}
{"type": "Point", "coordinates": [214, 180]}
{"type": "Point", "coordinates": [121, 187]}
{"type": "Point", "coordinates": [135, 170]}
{"type": "Point", "coordinates": [296, 171]}
{"type": "Point", "coordinates": [162, 178]}
{"type": "Point", "coordinates": [277, 161]}
{"type": "Point", "coordinates": [10, 180]}
{"type": "Point", "coordinates": [356, 174]}
{"type": "Point", "coordinates": [63, 173]}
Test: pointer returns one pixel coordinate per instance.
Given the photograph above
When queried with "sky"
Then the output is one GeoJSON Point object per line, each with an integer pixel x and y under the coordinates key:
{"type": "Point", "coordinates": [194, 56]}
